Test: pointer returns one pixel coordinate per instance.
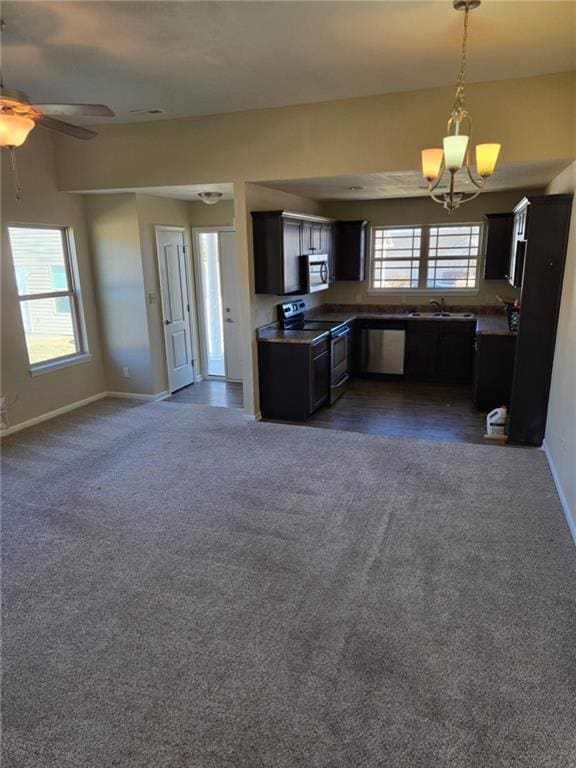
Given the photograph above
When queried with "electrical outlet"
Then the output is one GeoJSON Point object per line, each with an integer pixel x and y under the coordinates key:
{"type": "Point", "coordinates": [126, 372]}
{"type": "Point", "coordinates": [491, 299]}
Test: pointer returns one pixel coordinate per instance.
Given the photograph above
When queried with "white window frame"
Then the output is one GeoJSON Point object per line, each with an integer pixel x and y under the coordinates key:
{"type": "Point", "coordinates": [423, 260]}
{"type": "Point", "coordinates": [82, 355]}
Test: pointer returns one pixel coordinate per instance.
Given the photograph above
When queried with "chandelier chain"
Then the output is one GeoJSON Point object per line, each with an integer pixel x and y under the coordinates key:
{"type": "Point", "coordinates": [459, 109]}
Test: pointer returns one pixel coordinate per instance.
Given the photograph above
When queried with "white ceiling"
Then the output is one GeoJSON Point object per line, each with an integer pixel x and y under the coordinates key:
{"type": "Point", "coordinates": [376, 186]}
{"type": "Point", "coordinates": [182, 192]}
{"type": "Point", "coordinates": [193, 58]}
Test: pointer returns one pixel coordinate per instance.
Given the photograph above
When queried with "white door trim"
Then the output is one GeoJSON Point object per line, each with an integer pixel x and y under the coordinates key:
{"type": "Point", "coordinates": [191, 295]}
{"type": "Point", "coordinates": [196, 231]}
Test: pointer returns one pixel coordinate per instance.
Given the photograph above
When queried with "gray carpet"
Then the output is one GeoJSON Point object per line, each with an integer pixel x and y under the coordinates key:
{"type": "Point", "coordinates": [185, 589]}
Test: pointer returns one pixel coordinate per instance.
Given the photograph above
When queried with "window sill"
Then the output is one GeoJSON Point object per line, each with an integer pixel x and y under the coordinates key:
{"type": "Point", "coordinates": [423, 291]}
{"type": "Point", "coordinates": [55, 365]}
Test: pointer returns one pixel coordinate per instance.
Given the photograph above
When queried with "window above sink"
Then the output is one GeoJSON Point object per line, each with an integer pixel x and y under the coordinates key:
{"type": "Point", "coordinates": [426, 258]}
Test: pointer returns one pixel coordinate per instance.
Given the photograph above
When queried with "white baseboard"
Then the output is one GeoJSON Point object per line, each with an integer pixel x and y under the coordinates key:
{"type": "Point", "coordinates": [78, 404]}
{"type": "Point", "coordinates": [568, 513]}
{"type": "Point", "coordinates": [253, 416]}
{"type": "Point", "coordinates": [52, 414]}
{"type": "Point", "coordinates": [137, 396]}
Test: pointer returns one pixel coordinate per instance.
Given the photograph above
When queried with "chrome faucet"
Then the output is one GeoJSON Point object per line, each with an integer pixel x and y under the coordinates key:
{"type": "Point", "coordinates": [439, 304]}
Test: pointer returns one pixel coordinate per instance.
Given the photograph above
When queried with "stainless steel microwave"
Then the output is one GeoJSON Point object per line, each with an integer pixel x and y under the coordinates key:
{"type": "Point", "coordinates": [316, 272]}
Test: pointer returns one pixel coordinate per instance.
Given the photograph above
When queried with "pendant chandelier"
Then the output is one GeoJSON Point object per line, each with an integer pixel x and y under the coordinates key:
{"type": "Point", "coordinates": [455, 155]}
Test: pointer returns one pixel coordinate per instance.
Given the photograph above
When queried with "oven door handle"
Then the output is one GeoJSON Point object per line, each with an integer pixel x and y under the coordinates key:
{"type": "Point", "coordinates": [344, 332]}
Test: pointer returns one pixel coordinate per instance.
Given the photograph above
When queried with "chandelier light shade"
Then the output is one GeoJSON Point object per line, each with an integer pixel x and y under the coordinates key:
{"type": "Point", "coordinates": [455, 154]}
{"type": "Point", "coordinates": [432, 160]}
{"type": "Point", "coordinates": [14, 129]}
{"type": "Point", "coordinates": [486, 159]}
{"type": "Point", "coordinates": [455, 148]}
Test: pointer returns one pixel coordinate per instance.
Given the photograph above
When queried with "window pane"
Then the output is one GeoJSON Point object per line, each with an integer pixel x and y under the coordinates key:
{"type": "Point", "coordinates": [396, 258]}
{"type": "Point", "coordinates": [49, 333]}
{"type": "Point", "coordinates": [212, 303]}
{"type": "Point", "coordinates": [36, 253]}
{"type": "Point", "coordinates": [453, 256]}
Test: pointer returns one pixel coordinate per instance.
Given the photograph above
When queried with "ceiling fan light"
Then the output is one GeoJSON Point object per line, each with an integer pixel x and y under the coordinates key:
{"type": "Point", "coordinates": [455, 151]}
{"type": "Point", "coordinates": [432, 163]}
{"type": "Point", "coordinates": [210, 197]}
{"type": "Point", "coordinates": [486, 159]}
{"type": "Point", "coordinates": [14, 129]}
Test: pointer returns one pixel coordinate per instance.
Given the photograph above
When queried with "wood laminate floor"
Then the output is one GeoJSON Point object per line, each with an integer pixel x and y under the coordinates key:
{"type": "Point", "coordinates": [226, 394]}
{"type": "Point", "coordinates": [393, 408]}
{"type": "Point", "coordinates": [402, 409]}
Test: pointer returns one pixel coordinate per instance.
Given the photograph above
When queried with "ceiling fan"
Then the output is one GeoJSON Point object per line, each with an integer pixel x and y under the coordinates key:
{"type": "Point", "coordinates": [18, 117]}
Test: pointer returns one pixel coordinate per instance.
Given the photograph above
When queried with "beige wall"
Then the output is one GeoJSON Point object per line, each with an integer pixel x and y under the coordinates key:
{"type": "Point", "coordinates": [561, 424]}
{"type": "Point", "coordinates": [123, 237]}
{"type": "Point", "coordinates": [218, 215]}
{"type": "Point", "coordinates": [120, 289]}
{"type": "Point", "coordinates": [43, 204]}
{"type": "Point", "coordinates": [420, 210]}
{"type": "Point", "coordinates": [533, 118]}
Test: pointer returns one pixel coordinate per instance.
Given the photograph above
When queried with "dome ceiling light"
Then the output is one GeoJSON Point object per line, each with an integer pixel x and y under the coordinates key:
{"type": "Point", "coordinates": [210, 197]}
{"type": "Point", "coordinates": [455, 153]}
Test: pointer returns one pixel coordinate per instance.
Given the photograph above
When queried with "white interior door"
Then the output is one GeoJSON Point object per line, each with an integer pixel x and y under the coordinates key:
{"type": "Point", "coordinates": [230, 306]}
{"type": "Point", "coordinates": [174, 288]}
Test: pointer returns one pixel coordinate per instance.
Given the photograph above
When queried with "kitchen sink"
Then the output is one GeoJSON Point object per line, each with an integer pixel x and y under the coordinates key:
{"type": "Point", "coordinates": [440, 314]}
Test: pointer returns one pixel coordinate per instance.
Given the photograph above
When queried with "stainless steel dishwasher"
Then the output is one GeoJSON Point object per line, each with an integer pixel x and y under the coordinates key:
{"type": "Point", "coordinates": [382, 350]}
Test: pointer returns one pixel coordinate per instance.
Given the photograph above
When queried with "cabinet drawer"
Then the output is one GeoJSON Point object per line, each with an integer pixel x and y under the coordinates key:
{"type": "Point", "coordinates": [320, 347]}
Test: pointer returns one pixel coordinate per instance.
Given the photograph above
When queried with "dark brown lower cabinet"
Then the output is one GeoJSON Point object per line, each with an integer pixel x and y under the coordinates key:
{"type": "Point", "coordinates": [493, 370]}
{"type": "Point", "coordinates": [439, 350]}
{"type": "Point", "coordinates": [320, 386]}
{"type": "Point", "coordinates": [294, 378]}
{"type": "Point", "coordinates": [420, 353]}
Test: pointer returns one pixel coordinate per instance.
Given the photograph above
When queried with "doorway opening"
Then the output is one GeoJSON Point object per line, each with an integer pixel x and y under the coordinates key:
{"type": "Point", "coordinates": [218, 308]}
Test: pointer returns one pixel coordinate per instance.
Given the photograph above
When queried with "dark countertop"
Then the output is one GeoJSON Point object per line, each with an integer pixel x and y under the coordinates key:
{"type": "Point", "coordinates": [275, 333]}
{"type": "Point", "coordinates": [486, 323]}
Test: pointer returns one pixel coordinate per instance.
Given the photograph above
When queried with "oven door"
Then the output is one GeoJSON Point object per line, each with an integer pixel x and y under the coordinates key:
{"type": "Point", "coordinates": [339, 340]}
{"type": "Point", "coordinates": [317, 273]}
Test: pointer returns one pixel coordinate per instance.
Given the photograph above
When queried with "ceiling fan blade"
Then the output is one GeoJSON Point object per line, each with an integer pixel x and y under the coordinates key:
{"type": "Point", "coordinates": [75, 110]}
{"type": "Point", "coordinates": [66, 128]}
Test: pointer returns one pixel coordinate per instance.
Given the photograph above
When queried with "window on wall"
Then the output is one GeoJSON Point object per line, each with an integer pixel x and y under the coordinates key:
{"type": "Point", "coordinates": [427, 257]}
{"type": "Point", "coordinates": [49, 294]}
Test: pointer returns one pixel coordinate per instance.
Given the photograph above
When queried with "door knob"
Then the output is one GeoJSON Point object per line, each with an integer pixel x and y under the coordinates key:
{"type": "Point", "coordinates": [169, 322]}
{"type": "Point", "coordinates": [228, 320]}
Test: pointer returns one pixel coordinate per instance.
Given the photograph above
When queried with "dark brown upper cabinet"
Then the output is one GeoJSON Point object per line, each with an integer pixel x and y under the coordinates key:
{"type": "Point", "coordinates": [541, 226]}
{"type": "Point", "coordinates": [351, 247]}
{"type": "Point", "coordinates": [498, 243]}
{"type": "Point", "coordinates": [327, 243]}
{"type": "Point", "coordinates": [277, 253]}
{"type": "Point", "coordinates": [281, 238]}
